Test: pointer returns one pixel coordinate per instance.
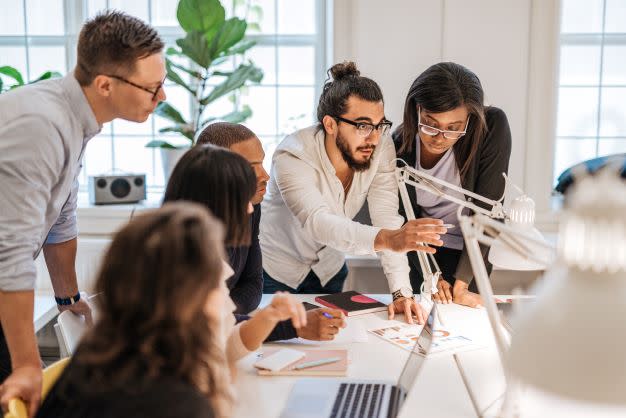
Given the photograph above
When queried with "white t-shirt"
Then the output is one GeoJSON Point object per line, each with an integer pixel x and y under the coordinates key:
{"type": "Point", "coordinates": [439, 207]}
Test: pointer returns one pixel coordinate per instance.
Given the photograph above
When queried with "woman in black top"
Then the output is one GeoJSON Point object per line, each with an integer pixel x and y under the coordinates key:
{"type": "Point", "coordinates": [224, 182]}
{"type": "Point", "coordinates": [157, 349]}
{"type": "Point", "coordinates": [459, 140]}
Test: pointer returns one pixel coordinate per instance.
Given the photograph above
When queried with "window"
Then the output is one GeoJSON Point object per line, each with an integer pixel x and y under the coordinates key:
{"type": "Point", "coordinates": [40, 35]}
{"type": "Point", "coordinates": [592, 81]}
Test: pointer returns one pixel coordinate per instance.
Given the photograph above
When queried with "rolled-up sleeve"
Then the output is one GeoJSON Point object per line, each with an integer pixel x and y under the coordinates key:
{"type": "Point", "coordinates": [65, 228]}
{"type": "Point", "coordinates": [30, 163]}
{"type": "Point", "coordinates": [383, 204]}
{"type": "Point", "coordinates": [295, 179]}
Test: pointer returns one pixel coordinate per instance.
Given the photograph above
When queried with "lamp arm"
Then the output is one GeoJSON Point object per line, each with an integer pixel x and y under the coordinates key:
{"type": "Point", "coordinates": [484, 286]}
{"type": "Point", "coordinates": [428, 274]}
{"type": "Point", "coordinates": [432, 184]}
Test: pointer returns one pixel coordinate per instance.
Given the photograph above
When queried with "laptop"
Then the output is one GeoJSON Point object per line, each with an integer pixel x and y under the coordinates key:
{"type": "Point", "coordinates": [341, 398]}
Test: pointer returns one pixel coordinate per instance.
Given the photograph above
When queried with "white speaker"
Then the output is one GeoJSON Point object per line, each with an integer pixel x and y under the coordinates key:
{"type": "Point", "coordinates": [128, 188]}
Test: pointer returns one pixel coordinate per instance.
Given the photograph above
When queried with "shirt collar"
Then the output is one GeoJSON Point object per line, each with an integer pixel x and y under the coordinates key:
{"type": "Point", "coordinates": [80, 106]}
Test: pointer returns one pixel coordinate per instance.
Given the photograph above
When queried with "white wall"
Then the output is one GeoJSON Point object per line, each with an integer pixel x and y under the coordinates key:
{"type": "Point", "coordinates": [510, 44]}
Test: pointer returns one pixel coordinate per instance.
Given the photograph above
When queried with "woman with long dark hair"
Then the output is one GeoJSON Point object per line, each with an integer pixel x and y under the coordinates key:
{"type": "Point", "coordinates": [224, 183]}
{"type": "Point", "coordinates": [157, 348]}
{"type": "Point", "coordinates": [448, 132]}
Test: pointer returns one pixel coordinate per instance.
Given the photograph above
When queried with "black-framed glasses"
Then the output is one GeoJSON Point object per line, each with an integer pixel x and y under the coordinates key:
{"type": "Point", "coordinates": [154, 93]}
{"type": "Point", "coordinates": [432, 131]}
{"type": "Point", "coordinates": [364, 129]}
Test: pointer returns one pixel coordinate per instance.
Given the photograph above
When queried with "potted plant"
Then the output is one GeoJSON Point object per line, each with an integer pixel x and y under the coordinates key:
{"type": "Point", "coordinates": [19, 79]}
{"type": "Point", "coordinates": [210, 40]}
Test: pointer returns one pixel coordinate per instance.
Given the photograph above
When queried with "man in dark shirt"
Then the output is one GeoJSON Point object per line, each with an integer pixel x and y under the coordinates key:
{"type": "Point", "coordinates": [246, 284]}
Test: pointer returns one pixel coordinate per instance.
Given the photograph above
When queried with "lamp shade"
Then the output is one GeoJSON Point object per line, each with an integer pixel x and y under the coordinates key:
{"type": "Point", "coordinates": [539, 256]}
{"type": "Point", "coordinates": [572, 340]}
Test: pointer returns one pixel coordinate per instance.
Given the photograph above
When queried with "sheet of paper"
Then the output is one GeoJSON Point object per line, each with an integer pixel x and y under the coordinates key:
{"type": "Point", "coordinates": [444, 339]}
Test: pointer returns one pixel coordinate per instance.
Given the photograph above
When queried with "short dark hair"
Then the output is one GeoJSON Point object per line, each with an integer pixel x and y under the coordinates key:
{"type": "Point", "coordinates": [441, 88]}
{"type": "Point", "coordinates": [225, 134]}
{"type": "Point", "coordinates": [111, 42]}
{"type": "Point", "coordinates": [222, 181]}
{"type": "Point", "coordinates": [345, 80]}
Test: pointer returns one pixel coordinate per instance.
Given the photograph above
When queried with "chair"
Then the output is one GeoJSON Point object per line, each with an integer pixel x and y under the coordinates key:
{"type": "Point", "coordinates": [51, 374]}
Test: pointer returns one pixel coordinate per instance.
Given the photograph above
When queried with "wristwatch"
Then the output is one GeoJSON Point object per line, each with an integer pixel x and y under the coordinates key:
{"type": "Point", "coordinates": [67, 301]}
{"type": "Point", "coordinates": [403, 292]}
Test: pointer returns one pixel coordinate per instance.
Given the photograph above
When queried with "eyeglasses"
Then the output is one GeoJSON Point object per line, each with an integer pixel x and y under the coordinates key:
{"type": "Point", "coordinates": [364, 129]}
{"type": "Point", "coordinates": [154, 93]}
{"type": "Point", "coordinates": [432, 131]}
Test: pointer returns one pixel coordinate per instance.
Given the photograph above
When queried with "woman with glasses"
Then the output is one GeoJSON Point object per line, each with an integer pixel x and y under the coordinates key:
{"type": "Point", "coordinates": [449, 133]}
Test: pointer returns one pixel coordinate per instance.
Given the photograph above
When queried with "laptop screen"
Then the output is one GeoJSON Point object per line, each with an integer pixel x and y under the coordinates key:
{"type": "Point", "coordinates": [417, 355]}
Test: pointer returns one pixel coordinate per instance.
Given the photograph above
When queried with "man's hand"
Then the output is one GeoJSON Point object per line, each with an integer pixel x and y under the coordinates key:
{"type": "Point", "coordinates": [285, 306]}
{"type": "Point", "coordinates": [411, 236]}
{"type": "Point", "coordinates": [79, 308]}
{"type": "Point", "coordinates": [463, 296]}
{"type": "Point", "coordinates": [410, 307]}
{"type": "Point", "coordinates": [23, 383]}
{"type": "Point", "coordinates": [444, 292]}
{"type": "Point", "coordinates": [321, 328]}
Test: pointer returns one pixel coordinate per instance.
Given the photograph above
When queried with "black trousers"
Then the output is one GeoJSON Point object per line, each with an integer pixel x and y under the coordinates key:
{"type": "Point", "coordinates": [448, 260]}
{"type": "Point", "coordinates": [5, 358]}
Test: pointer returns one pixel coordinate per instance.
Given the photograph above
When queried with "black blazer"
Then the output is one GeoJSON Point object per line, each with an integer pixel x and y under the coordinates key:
{"type": "Point", "coordinates": [483, 177]}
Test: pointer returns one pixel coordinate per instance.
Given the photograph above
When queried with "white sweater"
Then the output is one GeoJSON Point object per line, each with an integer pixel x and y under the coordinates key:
{"type": "Point", "coordinates": [306, 222]}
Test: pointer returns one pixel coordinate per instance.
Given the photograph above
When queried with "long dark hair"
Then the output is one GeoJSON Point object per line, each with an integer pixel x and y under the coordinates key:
{"type": "Point", "coordinates": [154, 283]}
{"type": "Point", "coordinates": [441, 88]}
{"type": "Point", "coordinates": [222, 181]}
{"type": "Point", "coordinates": [345, 80]}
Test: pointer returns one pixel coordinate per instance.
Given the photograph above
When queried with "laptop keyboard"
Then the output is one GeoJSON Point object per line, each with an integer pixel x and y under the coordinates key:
{"type": "Point", "coordinates": [362, 400]}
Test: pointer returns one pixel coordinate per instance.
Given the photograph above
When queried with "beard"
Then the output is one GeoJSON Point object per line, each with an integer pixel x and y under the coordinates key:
{"type": "Point", "coordinates": [349, 158]}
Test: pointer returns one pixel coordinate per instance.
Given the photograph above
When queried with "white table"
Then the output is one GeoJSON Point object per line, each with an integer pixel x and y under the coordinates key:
{"type": "Point", "coordinates": [45, 310]}
{"type": "Point", "coordinates": [438, 392]}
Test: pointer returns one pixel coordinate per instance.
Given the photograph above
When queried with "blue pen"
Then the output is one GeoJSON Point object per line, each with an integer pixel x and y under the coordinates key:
{"type": "Point", "coordinates": [327, 315]}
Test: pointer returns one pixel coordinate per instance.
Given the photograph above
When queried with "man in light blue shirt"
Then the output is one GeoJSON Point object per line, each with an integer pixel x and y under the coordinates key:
{"type": "Point", "coordinates": [44, 129]}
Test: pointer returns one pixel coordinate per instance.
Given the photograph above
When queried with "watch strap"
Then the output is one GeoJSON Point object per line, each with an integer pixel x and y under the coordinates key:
{"type": "Point", "coordinates": [67, 301]}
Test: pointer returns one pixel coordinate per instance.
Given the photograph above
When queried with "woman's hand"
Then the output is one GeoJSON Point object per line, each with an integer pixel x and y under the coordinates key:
{"type": "Point", "coordinates": [463, 296]}
{"type": "Point", "coordinates": [444, 292]}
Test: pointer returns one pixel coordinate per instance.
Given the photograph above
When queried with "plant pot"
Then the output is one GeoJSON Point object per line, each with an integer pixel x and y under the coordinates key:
{"type": "Point", "coordinates": [169, 158]}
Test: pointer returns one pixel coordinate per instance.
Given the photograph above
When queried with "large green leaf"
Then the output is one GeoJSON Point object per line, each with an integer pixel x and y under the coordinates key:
{"type": "Point", "coordinates": [240, 47]}
{"type": "Point", "coordinates": [167, 111]}
{"type": "Point", "coordinates": [173, 76]}
{"type": "Point", "coordinates": [185, 130]}
{"type": "Point", "coordinates": [193, 73]}
{"type": "Point", "coordinates": [13, 73]}
{"type": "Point", "coordinates": [236, 116]}
{"type": "Point", "coordinates": [47, 75]}
{"type": "Point", "coordinates": [200, 15]}
{"type": "Point", "coordinates": [229, 33]}
{"type": "Point", "coordinates": [195, 46]}
{"type": "Point", "coordinates": [239, 77]}
{"type": "Point", "coordinates": [173, 52]}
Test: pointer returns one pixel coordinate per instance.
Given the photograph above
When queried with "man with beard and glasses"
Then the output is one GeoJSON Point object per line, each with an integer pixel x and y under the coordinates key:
{"type": "Point", "coordinates": [320, 179]}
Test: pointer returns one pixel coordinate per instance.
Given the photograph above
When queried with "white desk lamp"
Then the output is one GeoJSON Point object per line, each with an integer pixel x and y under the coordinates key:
{"type": "Point", "coordinates": [520, 217]}
{"type": "Point", "coordinates": [515, 244]}
{"type": "Point", "coordinates": [572, 341]}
